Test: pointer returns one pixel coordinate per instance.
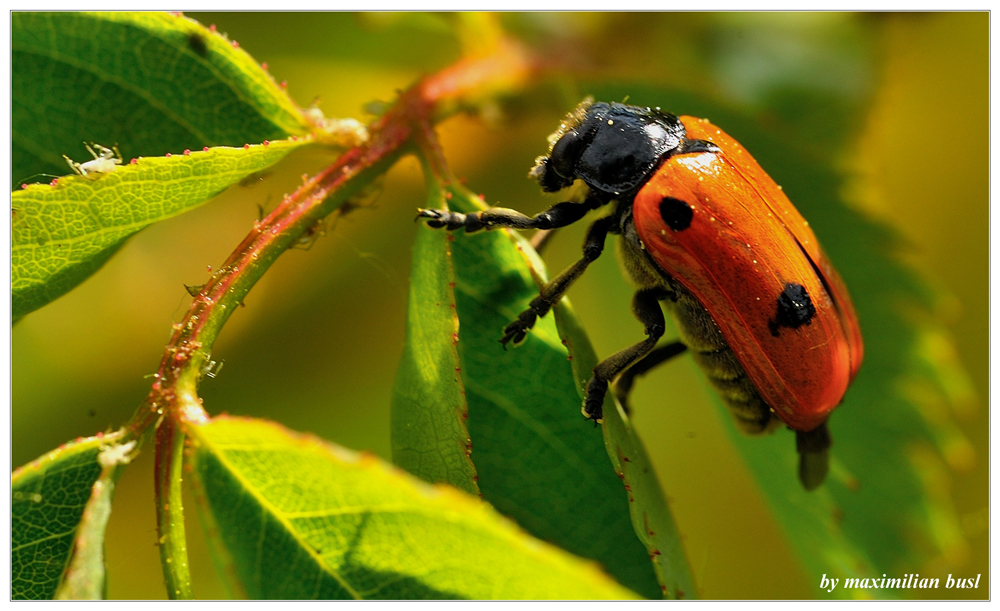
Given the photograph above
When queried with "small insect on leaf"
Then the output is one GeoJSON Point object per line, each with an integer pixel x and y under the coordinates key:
{"type": "Point", "coordinates": [117, 454]}
{"type": "Point", "coordinates": [105, 161]}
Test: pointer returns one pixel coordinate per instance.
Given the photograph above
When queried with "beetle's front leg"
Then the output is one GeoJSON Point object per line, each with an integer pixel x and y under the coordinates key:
{"type": "Point", "coordinates": [552, 292]}
{"type": "Point", "coordinates": [560, 215]}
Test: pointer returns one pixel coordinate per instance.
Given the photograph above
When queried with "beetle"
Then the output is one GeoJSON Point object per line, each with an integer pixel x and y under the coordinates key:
{"type": "Point", "coordinates": [105, 160]}
{"type": "Point", "coordinates": [710, 236]}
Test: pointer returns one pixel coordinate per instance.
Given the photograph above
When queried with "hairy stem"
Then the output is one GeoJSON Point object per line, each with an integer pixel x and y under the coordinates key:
{"type": "Point", "coordinates": [173, 403]}
{"type": "Point", "coordinates": [391, 137]}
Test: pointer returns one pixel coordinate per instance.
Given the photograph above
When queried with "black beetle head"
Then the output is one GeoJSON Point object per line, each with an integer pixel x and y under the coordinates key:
{"type": "Point", "coordinates": [613, 148]}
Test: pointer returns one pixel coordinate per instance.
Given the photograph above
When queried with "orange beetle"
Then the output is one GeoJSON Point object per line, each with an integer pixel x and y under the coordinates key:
{"type": "Point", "coordinates": [710, 235]}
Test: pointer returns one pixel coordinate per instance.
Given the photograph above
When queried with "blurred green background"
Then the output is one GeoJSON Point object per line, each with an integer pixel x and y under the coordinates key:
{"type": "Point", "coordinates": [318, 343]}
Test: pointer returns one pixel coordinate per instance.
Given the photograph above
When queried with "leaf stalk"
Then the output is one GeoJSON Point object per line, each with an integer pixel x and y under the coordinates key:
{"type": "Point", "coordinates": [170, 510]}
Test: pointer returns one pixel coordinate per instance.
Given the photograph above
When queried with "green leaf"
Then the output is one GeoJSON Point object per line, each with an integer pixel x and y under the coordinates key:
{"type": "Point", "coordinates": [651, 517]}
{"type": "Point", "coordinates": [342, 525]}
{"type": "Point", "coordinates": [538, 460]}
{"type": "Point", "coordinates": [85, 577]}
{"type": "Point", "coordinates": [64, 233]}
{"type": "Point", "coordinates": [882, 509]}
{"type": "Point", "coordinates": [429, 435]}
{"type": "Point", "coordinates": [151, 82]}
{"type": "Point", "coordinates": [48, 498]}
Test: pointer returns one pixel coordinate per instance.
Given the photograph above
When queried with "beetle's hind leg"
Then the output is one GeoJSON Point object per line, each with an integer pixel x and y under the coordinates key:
{"type": "Point", "coordinates": [552, 292]}
{"type": "Point", "coordinates": [661, 354]}
{"type": "Point", "coordinates": [814, 455]}
{"type": "Point", "coordinates": [646, 307]}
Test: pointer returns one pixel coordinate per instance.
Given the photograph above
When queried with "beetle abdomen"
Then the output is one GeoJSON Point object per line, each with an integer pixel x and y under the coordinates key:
{"type": "Point", "coordinates": [703, 338]}
{"type": "Point", "coordinates": [712, 354]}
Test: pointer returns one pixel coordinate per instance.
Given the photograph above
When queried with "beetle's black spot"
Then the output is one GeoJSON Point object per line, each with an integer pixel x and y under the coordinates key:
{"type": "Point", "coordinates": [197, 44]}
{"type": "Point", "coordinates": [677, 214]}
{"type": "Point", "coordinates": [795, 308]}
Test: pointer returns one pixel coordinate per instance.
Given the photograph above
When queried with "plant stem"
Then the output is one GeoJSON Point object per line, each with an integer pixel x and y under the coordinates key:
{"type": "Point", "coordinates": [173, 403]}
{"type": "Point", "coordinates": [170, 511]}
{"type": "Point", "coordinates": [391, 136]}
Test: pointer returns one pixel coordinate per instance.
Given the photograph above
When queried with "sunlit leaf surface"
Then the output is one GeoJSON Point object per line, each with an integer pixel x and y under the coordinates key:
{"type": "Point", "coordinates": [303, 519]}
{"type": "Point", "coordinates": [151, 82]}
{"type": "Point", "coordinates": [429, 410]}
{"type": "Point", "coordinates": [64, 233]}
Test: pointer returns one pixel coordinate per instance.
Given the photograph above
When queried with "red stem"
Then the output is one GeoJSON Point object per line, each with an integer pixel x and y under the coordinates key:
{"type": "Point", "coordinates": [391, 136]}
{"type": "Point", "coordinates": [173, 400]}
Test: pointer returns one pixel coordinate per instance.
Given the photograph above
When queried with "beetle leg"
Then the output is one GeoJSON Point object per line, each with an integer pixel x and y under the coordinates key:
{"type": "Point", "coordinates": [646, 307]}
{"type": "Point", "coordinates": [659, 355]}
{"type": "Point", "coordinates": [560, 215]}
{"type": "Point", "coordinates": [552, 292]}
{"type": "Point", "coordinates": [814, 461]}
